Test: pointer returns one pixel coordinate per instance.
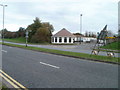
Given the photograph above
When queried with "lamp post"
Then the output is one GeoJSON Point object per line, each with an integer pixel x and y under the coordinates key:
{"type": "Point", "coordinates": [81, 27]}
{"type": "Point", "coordinates": [3, 21]}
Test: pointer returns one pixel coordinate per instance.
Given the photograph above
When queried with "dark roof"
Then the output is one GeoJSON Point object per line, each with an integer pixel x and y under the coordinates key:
{"type": "Point", "coordinates": [63, 33]}
{"type": "Point", "coordinates": [79, 35]}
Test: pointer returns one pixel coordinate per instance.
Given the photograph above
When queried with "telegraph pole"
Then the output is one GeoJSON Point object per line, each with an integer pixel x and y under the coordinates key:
{"type": "Point", "coordinates": [81, 27]}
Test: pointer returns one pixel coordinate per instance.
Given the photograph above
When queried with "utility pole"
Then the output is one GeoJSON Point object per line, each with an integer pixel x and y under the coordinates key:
{"type": "Point", "coordinates": [3, 21]}
{"type": "Point", "coordinates": [81, 27]}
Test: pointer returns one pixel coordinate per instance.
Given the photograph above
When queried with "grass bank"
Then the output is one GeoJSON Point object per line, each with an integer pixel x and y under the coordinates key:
{"type": "Point", "coordinates": [23, 40]}
{"type": "Point", "coordinates": [112, 46]}
{"type": "Point", "coordinates": [16, 40]}
{"type": "Point", "coordinates": [71, 54]}
{"type": "Point", "coordinates": [4, 88]}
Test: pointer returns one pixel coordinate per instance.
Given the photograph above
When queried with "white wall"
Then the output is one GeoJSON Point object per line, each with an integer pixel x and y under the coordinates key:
{"type": "Point", "coordinates": [63, 40]}
{"type": "Point", "coordinates": [57, 39]}
{"type": "Point", "coordinates": [67, 39]}
{"type": "Point", "coordinates": [72, 40]}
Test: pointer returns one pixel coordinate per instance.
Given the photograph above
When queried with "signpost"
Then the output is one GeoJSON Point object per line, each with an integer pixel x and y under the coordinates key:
{"type": "Point", "coordinates": [27, 32]}
{"type": "Point", "coordinates": [102, 36]}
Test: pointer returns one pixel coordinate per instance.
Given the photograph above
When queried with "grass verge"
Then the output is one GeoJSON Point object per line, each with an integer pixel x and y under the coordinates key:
{"type": "Point", "coordinates": [99, 58]}
{"type": "Point", "coordinates": [16, 40]}
{"type": "Point", "coordinates": [4, 88]}
{"type": "Point", "coordinates": [105, 50]}
{"type": "Point", "coordinates": [23, 40]}
{"type": "Point", "coordinates": [112, 46]}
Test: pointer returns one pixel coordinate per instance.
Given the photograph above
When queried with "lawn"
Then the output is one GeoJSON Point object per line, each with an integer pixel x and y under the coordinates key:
{"type": "Point", "coordinates": [17, 40]}
{"type": "Point", "coordinates": [112, 46]}
{"type": "Point", "coordinates": [23, 40]}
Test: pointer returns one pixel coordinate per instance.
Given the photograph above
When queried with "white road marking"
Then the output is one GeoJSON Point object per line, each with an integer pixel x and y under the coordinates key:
{"type": "Point", "coordinates": [49, 65]}
{"type": "Point", "coordinates": [4, 51]}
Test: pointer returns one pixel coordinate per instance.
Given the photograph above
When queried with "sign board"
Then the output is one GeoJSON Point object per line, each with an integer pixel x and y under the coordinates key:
{"type": "Point", "coordinates": [27, 33]}
{"type": "Point", "coordinates": [26, 36]}
{"type": "Point", "coordinates": [103, 34]}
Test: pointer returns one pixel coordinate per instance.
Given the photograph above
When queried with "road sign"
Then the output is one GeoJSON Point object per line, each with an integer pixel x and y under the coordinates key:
{"type": "Point", "coordinates": [27, 36]}
{"type": "Point", "coordinates": [26, 33]}
{"type": "Point", "coordinates": [103, 34]}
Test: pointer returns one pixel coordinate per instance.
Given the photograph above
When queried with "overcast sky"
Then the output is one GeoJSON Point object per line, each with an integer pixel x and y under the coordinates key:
{"type": "Point", "coordinates": [62, 14]}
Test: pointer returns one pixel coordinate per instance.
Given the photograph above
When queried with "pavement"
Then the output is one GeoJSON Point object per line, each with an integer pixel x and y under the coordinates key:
{"type": "Point", "coordinates": [82, 48]}
{"type": "Point", "coordinates": [42, 70]}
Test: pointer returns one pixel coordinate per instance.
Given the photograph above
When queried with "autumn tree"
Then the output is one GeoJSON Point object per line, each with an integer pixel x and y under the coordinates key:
{"type": "Point", "coordinates": [8, 34]}
{"type": "Point", "coordinates": [40, 32]}
{"type": "Point", "coordinates": [33, 27]}
{"type": "Point", "coordinates": [21, 32]}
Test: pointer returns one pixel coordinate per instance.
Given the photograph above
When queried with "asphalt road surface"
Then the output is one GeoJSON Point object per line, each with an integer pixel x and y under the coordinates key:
{"type": "Point", "coordinates": [41, 70]}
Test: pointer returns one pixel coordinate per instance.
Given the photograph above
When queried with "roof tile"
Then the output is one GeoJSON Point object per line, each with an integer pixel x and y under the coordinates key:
{"type": "Point", "coordinates": [63, 33]}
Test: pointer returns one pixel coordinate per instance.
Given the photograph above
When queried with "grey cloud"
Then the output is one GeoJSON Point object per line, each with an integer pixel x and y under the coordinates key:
{"type": "Point", "coordinates": [66, 13]}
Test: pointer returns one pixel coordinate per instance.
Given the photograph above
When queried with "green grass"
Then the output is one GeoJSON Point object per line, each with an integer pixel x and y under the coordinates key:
{"type": "Point", "coordinates": [72, 54]}
{"type": "Point", "coordinates": [17, 40]}
{"type": "Point", "coordinates": [4, 88]}
{"type": "Point", "coordinates": [112, 46]}
{"type": "Point", "coordinates": [23, 40]}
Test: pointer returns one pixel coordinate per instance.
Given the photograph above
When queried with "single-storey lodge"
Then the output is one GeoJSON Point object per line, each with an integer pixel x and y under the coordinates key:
{"type": "Point", "coordinates": [65, 37]}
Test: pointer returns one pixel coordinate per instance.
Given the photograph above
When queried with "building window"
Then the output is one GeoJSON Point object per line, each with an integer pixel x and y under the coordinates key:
{"type": "Point", "coordinates": [65, 39]}
{"type": "Point", "coordinates": [69, 39]}
{"type": "Point", "coordinates": [60, 39]}
{"type": "Point", "coordinates": [55, 39]}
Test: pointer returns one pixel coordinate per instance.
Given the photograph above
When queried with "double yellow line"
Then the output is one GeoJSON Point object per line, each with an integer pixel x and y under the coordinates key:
{"type": "Point", "coordinates": [13, 82]}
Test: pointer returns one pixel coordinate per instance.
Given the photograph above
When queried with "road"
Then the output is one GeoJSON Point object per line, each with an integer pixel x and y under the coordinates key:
{"type": "Point", "coordinates": [83, 48]}
{"type": "Point", "coordinates": [42, 70]}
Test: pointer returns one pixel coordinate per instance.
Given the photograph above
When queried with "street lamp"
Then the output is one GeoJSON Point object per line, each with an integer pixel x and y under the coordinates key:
{"type": "Point", "coordinates": [3, 21]}
{"type": "Point", "coordinates": [81, 27]}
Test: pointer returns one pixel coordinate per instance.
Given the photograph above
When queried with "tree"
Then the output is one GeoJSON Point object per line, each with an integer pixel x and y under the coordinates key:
{"type": "Point", "coordinates": [33, 27]}
{"type": "Point", "coordinates": [94, 35]}
{"type": "Point", "coordinates": [21, 32]}
{"type": "Point", "coordinates": [4, 32]}
{"type": "Point", "coordinates": [77, 34]}
{"type": "Point", "coordinates": [8, 34]}
{"type": "Point", "coordinates": [40, 32]}
{"type": "Point", "coordinates": [49, 28]}
{"type": "Point", "coordinates": [42, 35]}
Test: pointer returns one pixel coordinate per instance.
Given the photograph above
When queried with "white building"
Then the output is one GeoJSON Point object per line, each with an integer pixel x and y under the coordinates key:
{"type": "Point", "coordinates": [88, 39]}
{"type": "Point", "coordinates": [63, 37]}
